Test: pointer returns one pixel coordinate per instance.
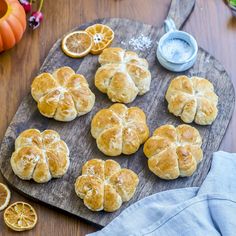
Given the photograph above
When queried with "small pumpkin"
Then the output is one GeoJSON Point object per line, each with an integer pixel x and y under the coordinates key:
{"type": "Point", "coordinates": [12, 23]}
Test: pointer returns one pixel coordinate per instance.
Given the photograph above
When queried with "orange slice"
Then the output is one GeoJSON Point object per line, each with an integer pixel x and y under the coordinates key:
{"type": "Point", "coordinates": [20, 216]}
{"type": "Point", "coordinates": [5, 196]}
{"type": "Point", "coordinates": [77, 44]}
{"type": "Point", "coordinates": [102, 37]}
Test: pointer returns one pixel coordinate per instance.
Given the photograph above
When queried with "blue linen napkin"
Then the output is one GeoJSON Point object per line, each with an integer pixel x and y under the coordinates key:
{"type": "Point", "coordinates": [209, 209]}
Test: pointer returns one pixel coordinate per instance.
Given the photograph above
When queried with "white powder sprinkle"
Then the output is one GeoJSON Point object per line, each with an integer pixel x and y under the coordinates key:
{"type": "Point", "coordinates": [140, 43]}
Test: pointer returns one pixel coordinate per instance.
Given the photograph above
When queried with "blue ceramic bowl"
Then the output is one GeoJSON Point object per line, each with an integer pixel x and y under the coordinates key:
{"type": "Point", "coordinates": [179, 63]}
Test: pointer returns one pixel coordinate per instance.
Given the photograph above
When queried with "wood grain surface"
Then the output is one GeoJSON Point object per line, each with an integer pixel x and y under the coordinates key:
{"type": "Point", "coordinates": [211, 23]}
{"type": "Point", "coordinates": [77, 133]}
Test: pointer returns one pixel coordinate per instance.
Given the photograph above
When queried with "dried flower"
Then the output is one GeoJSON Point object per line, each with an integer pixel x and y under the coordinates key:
{"type": "Point", "coordinates": [26, 5]}
{"type": "Point", "coordinates": [35, 19]}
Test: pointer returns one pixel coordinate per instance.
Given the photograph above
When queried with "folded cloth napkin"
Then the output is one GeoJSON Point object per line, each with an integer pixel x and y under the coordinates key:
{"type": "Point", "coordinates": [208, 210]}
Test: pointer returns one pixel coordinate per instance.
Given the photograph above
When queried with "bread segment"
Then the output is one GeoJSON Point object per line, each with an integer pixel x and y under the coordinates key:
{"type": "Point", "coordinates": [119, 129]}
{"type": "Point", "coordinates": [174, 151]}
{"type": "Point", "coordinates": [62, 95]}
{"type": "Point", "coordinates": [104, 185]}
{"type": "Point", "coordinates": [123, 75]}
{"type": "Point", "coordinates": [40, 156]}
{"type": "Point", "coordinates": [193, 99]}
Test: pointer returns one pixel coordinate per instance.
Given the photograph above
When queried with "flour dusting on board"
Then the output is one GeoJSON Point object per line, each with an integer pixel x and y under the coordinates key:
{"type": "Point", "coordinates": [140, 43]}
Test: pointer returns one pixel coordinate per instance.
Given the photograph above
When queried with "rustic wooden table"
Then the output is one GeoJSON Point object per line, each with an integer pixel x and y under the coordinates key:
{"type": "Point", "coordinates": [211, 23]}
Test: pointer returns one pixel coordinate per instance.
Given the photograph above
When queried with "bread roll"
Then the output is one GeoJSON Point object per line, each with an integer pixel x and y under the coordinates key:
{"type": "Point", "coordinates": [123, 75]}
{"type": "Point", "coordinates": [193, 99]}
{"type": "Point", "coordinates": [62, 95]}
{"type": "Point", "coordinates": [104, 185]}
{"type": "Point", "coordinates": [40, 156]}
{"type": "Point", "coordinates": [119, 129]}
{"type": "Point", "coordinates": [174, 152]}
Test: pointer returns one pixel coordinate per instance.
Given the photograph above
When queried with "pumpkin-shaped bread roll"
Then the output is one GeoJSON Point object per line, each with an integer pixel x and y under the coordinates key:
{"type": "Point", "coordinates": [40, 156]}
{"type": "Point", "coordinates": [173, 152]}
{"type": "Point", "coordinates": [119, 129]}
{"type": "Point", "coordinates": [123, 75]}
{"type": "Point", "coordinates": [193, 99]}
{"type": "Point", "coordinates": [104, 185]}
{"type": "Point", "coordinates": [62, 95]}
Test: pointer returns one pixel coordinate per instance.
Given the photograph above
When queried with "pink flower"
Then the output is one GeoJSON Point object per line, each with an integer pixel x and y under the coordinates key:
{"type": "Point", "coordinates": [35, 19]}
{"type": "Point", "coordinates": [26, 5]}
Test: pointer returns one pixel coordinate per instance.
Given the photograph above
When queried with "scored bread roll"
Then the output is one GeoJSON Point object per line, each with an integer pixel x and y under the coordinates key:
{"type": "Point", "coordinates": [104, 185]}
{"type": "Point", "coordinates": [174, 152]}
{"type": "Point", "coordinates": [123, 75]}
{"type": "Point", "coordinates": [119, 129]}
{"type": "Point", "coordinates": [40, 156]}
{"type": "Point", "coordinates": [193, 99]}
{"type": "Point", "coordinates": [62, 95]}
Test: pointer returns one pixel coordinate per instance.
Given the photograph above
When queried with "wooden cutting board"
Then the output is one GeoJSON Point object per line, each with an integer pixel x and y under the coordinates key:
{"type": "Point", "coordinates": [60, 193]}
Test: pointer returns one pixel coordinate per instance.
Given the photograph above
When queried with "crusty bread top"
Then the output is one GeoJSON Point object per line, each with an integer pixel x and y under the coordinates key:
{"type": "Point", "coordinates": [62, 95]}
{"type": "Point", "coordinates": [193, 99]}
{"type": "Point", "coordinates": [173, 152]}
{"type": "Point", "coordinates": [122, 75]}
{"type": "Point", "coordinates": [104, 185]}
{"type": "Point", "coordinates": [119, 129]}
{"type": "Point", "coordinates": [40, 156]}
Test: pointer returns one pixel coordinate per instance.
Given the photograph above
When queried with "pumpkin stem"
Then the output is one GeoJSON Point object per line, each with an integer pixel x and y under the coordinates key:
{"type": "Point", "coordinates": [41, 5]}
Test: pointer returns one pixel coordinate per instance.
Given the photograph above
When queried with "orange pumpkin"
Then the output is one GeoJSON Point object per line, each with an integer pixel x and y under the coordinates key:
{"type": "Point", "coordinates": [12, 23]}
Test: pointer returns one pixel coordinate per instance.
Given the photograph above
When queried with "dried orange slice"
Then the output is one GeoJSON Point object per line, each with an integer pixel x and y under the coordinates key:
{"type": "Point", "coordinates": [5, 196]}
{"type": "Point", "coordinates": [102, 37]}
{"type": "Point", "coordinates": [77, 44]}
{"type": "Point", "coordinates": [20, 216]}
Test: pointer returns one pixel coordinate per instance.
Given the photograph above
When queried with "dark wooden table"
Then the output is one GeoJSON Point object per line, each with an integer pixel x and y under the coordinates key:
{"type": "Point", "coordinates": [211, 23]}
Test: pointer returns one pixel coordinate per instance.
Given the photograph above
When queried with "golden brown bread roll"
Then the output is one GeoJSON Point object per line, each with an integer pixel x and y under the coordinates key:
{"type": "Point", "coordinates": [119, 129]}
{"type": "Point", "coordinates": [40, 156]}
{"type": "Point", "coordinates": [103, 185]}
{"type": "Point", "coordinates": [173, 152]}
{"type": "Point", "coordinates": [122, 75]}
{"type": "Point", "coordinates": [62, 95]}
{"type": "Point", "coordinates": [193, 99]}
